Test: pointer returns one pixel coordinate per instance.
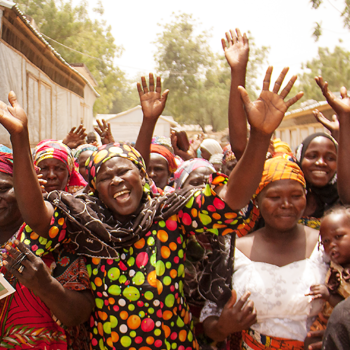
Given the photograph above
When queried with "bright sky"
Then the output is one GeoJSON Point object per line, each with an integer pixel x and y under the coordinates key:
{"type": "Point", "coordinates": [285, 26]}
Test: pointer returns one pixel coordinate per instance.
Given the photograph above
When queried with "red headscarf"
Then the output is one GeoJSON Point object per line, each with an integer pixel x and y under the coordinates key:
{"type": "Point", "coordinates": [167, 155]}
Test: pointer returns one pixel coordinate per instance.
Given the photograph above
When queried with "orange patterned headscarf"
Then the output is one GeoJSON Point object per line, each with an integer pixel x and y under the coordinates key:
{"type": "Point", "coordinates": [280, 168]}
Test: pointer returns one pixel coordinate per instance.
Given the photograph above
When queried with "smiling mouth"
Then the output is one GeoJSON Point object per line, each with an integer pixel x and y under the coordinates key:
{"type": "Point", "coordinates": [121, 194]}
{"type": "Point", "coordinates": [319, 173]}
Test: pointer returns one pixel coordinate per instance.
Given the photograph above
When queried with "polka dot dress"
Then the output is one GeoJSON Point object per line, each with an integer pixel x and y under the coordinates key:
{"type": "Point", "coordinates": [139, 297]}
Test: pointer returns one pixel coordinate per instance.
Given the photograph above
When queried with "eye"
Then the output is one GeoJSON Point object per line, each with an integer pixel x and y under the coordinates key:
{"type": "Point", "coordinates": [310, 155]}
{"type": "Point", "coordinates": [339, 236]}
{"type": "Point", "coordinates": [5, 189]}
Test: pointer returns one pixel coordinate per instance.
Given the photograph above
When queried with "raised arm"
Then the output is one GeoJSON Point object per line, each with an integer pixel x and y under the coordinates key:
{"type": "Point", "coordinates": [104, 131]}
{"type": "Point", "coordinates": [331, 125]}
{"type": "Point", "coordinates": [342, 109]}
{"type": "Point", "coordinates": [237, 53]}
{"type": "Point", "coordinates": [35, 211]}
{"type": "Point", "coordinates": [264, 116]}
{"type": "Point", "coordinates": [153, 104]}
{"type": "Point", "coordinates": [75, 137]}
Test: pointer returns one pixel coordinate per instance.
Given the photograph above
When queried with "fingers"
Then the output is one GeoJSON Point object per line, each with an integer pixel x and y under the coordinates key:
{"type": "Point", "coordinates": [242, 300]}
{"type": "Point", "coordinates": [294, 99]}
{"type": "Point", "coordinates": [165, 95]}
{"type": "Point", "coordinates": [159, 85]}
{"type": "Point", "coordinates": [267, 79]}
{"type": "Point", "coordinates": [151, 82]}
{"type": "Point", "coordinates": [288, 87]}
{"type": "Point", "coordinates": [139, 89]}
{"type": "Point", "coordinates": [245, 39]}
{"type": "Point", "coordinates": [279, 80]}
{"type": "Point", "coordinates": [229, 38]}
{"type": "Point", "coordinates": [239, 35]}
{"type": "Point", "coordinates": [232, 300]}
{"type": "Point", "coordinates": [315, 346]}
{"type": "Point", "coordinates": [144, 85]}
{"type": "Point", "coordinates": [24, 249]}
{"type": "Point", "coordinates": [343, 92]}
{"type": "Point", "coordinates": [223, 43]}
{"type": "Point", "coordinates": [316, 334]}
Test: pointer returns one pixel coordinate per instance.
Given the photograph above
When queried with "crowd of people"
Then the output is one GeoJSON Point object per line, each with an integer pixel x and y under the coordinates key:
{"type": "Point", "coordinates": [171, 243]}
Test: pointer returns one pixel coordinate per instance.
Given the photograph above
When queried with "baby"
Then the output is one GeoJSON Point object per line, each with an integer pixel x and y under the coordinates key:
{"type": "Point", "coordinates": [335, 238]}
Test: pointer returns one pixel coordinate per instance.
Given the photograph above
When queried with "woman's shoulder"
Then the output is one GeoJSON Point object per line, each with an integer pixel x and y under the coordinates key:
{"type": "Point", "coordinates": [245, 243]}
{"type": "Point", "coordinates": [312, 238]}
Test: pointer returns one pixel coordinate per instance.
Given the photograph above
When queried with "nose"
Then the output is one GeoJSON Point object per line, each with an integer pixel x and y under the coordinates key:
{"type": "Point", "coordinates": [320, 161]}
{"type": "Point", "coordinates": [152, 174]}
{"type": "Point", "coordinates": [286, 203]}
{"type": "Point", "coordinates": [116, 180]}
{"type": "Point", "coordinates": [51, 174]}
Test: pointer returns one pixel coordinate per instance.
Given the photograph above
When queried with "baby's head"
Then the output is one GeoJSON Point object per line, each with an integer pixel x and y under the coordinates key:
{"type": "Point", "coordinates": [335, 234]}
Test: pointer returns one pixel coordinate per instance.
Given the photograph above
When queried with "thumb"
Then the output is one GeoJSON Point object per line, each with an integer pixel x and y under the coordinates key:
{"type": "Point", "coordinates": [334, 118]}
{"type": "Point", "coordinates": [13, 99]}
{"type": "Point", "coordinates": [343, 92]}
{"type": "Point", "coordinates": [244, 96]}
{"type": "Point", "coordinates": [232, 300]}
{"type": "Point", "coordinates": [165, 95]}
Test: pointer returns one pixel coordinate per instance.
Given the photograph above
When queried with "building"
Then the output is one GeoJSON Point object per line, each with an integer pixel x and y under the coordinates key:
{"type": "Point", "coordinates": [55, 95]}
{"type": "Point", "coordinates": [125, 126]}
{"type": "Point", "coordinates": [300, 123]}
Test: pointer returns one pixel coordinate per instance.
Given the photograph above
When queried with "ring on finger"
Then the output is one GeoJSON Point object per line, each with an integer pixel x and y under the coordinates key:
{"type": "Point", "coordinates": [19, 260]}
{"type": "Point", "coordinates": [20, 269]}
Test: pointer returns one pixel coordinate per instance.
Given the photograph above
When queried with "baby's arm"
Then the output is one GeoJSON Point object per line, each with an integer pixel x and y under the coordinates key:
{"type": "Point", "coordinates": [320, 291]}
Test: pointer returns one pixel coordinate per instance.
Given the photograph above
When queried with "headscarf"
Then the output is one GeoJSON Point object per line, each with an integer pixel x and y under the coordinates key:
{"type": "Point", "coordinates": [228, 154]}
{"type": "Point", "coordinates": [167, 155]}
{"type": "Point", "coordinates": [163, 141]}
{"type": "Point", "coordinates": [216, 158]}
{"type": "Point", "coordinates": [6, 160]}
{"type": "Point", "coordinates": [93, 229]}
{"type": "Point", "coordinates": [51, 149]}
{"type": "Point", "coordinates": [325, 196]}
{"type": "Point", "coordinates": [281, 147]}
{"type": "Point", "coordinates": [83, 148]}
{"type": "Point", "coordinates": [211, 146]}
{"type": "Point", "coordinates": [280, 168]}
{"type": "Point", "coordinates": [182, 173]}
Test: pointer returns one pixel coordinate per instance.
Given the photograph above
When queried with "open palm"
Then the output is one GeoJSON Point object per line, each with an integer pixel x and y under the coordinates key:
{"type": "Point", "coordinates": [152, 101]}
{"type": "Point", "coordinates": [13, 117]}
{"type": "Point", "coordinates": [237, 48]}
{"type": "Point", "coordinates": [266, 113]}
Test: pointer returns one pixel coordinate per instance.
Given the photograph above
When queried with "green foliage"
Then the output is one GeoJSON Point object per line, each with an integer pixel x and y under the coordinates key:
{"type": "Point", "coordinates": [334, 67]}
{"type": "Point", "coordinates": [71, 26]}
{"type": "Point", "coordinates": [199, 81]}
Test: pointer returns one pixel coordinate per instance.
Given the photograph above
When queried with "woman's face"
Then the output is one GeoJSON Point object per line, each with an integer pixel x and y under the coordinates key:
{"type": "Point", "coordinates": [120, 187]}
{"type": "Point", "coordinates": [55, 173]}
{"type": "Point", "coordinates": [205, 154]}
{"type": "Point", "coordinates": [198, 177]}
{"type": "Point", "coordinates": [9, 212]}
{"type": "Point", "coordinates": [320, 161]}
{"type": "Point", "coordinates": [282, 204]}
{"type": "Point", "coordinates": [158, 171]}
{"type": "Point", "coordinates": [82, 160]}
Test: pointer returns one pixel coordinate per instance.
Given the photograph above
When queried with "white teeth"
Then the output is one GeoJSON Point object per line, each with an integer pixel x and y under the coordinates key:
{"type": "Point", "coordinates": [120, 193]}
{"type": "Point", "coordinates": [319, 172]}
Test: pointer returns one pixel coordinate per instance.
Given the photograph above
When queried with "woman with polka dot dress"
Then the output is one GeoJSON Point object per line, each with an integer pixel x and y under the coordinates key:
{"type": "Point", "coordinates": [137, 243]}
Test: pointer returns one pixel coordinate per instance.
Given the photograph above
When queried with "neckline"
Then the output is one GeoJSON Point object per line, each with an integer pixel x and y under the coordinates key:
{"type": "Point", "coordinates": [280, 267]}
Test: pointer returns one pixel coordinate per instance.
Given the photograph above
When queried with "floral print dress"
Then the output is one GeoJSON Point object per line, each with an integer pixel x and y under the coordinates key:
{"type": "Point", "coordinates": [139, 297]}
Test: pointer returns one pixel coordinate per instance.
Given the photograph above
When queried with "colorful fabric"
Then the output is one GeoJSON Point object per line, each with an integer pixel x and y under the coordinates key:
{"type": "Point", "coordinates": [139, 293]}
{"type": "Point", "coordinates": [211, 146]}
{"type": "Point", "coordinates": [310, 222]}
{"type": "Point", "coordinates": [252, 340]}
{"type": "Point", "coordinates": [163, 141]}
{"type": "Point", "coordinates": [83, 148]}
{"type": "Point", "coordinates": [326, 196]}
{"type": "Point", "coordinates": [227, 155]}
{"type": "Point", "coordinates": [6, 163]}
{"type": "Point", "coordinates": [27, 323]}
{"type": "Point", "coordinates": [182, 173]}
{"type": "Point", "coordinates": [5, 149]}
{"type": "Point", "coordinates": [281, 147]}
{"type": "Point", "coordinates": [167, 155]}
{"type": "Point", "coordinates": [51, 149]}
{"type": "Point", "coordinates": [280, 168]}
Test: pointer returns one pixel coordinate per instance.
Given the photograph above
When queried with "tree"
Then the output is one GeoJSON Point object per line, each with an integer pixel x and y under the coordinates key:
{"type": "Point", "coordinates": [345, 14]}
{"type": "Point", "coordinates": [198, 80]}
{"type": "Point", "coordinates": [334, 67]}
{"type": "Point", "coordinates": [91, 40]}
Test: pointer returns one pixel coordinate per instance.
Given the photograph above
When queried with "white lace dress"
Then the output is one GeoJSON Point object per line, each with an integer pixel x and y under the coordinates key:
{"type": "Point", "coordinates": [278, 293]}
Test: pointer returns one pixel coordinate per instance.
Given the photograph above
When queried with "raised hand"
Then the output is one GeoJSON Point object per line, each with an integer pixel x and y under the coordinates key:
{"type": "Point", "coordinates": [152, 101]}
{"type": "Point", "coordinates": [340, 106]}
{"type": "Point", "coordinates": [331, 125]}
{"type": "Point", "coordinates": [13, 117]}
{"type": "Point", "coordinates": [237, 49]}
{"type": "Point", "coordinates": [266, 113]}
{"type": "Point", "coordinates": [104, 130]}
{"type": "Point", "coordinates": [75, 137]}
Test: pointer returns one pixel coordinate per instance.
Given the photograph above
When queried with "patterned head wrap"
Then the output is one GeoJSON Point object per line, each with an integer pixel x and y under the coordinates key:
{"type": "Point", "coordinates": [6, 160]}
{"type": "Point", "coordinates": [280, 168]}
{"type": "Point", "coordinates": [167, 155]}
{"type": "Point", "coordinates": [228, 155]}
{"type": "Point", "coordinates": [106, 152]}
{"type": "Point", "coordinates": [281, 147]}
{"type": "Point", "coordinates": [84, 148]}
{"type": "Point", "coordinates": [182, 173]}
{"type": "Point", "coordinates": [163, 141]}
{"type": "Point", "coordinates": [211, 146]}
{"type": "Point", "coordinates": [51, 149]}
